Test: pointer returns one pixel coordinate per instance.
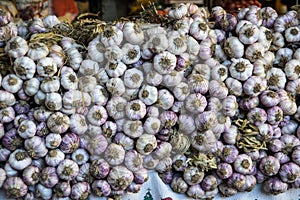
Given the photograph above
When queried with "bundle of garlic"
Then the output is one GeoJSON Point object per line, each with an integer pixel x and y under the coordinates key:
{"type": "Point", "coordinates": [210, 102]}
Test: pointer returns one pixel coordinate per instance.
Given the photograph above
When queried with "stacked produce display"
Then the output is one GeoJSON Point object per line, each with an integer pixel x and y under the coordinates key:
{"type": "Point", "coordinates": [208, 100]}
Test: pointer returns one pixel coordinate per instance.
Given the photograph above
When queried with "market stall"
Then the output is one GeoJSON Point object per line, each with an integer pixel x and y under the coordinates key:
{"type": "Point", "coordinates": [180, 102]}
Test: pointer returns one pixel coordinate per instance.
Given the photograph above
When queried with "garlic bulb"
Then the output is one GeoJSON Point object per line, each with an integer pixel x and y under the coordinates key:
{"type": "Point", "coordinates": [133, 33]}
{"type": "Point", "coordinates": [131, 53]}
{"type": "Point", "coordinates": [24, 67]}
{"type": "Point", "coordinates": [146, 143]}
{"type": "Point", "coordinates": [241, 69]}
{"type": "Point", "coordinates": [120, 178]}
{"type": "Point", "coordinates": [114, 154]}
{"type": "Point", "coordinates": [111, 36]}
{"type": "Point", "coordinates": [164, 62]}
{"type": "Point", "coordinates": [67, 170]}
{"type": "Point", "coordinates": [16, 47]}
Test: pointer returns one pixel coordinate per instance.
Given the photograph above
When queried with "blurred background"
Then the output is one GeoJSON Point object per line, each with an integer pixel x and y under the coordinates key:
{"type": "Point", "coordinates": [112, 9]}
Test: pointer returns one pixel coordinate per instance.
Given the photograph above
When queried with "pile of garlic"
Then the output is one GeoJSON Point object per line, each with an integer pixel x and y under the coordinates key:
{"type": "Point", "coordinates": [210, 102]}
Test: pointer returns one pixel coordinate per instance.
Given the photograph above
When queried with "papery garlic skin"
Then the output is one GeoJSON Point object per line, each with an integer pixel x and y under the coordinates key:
{"type": "Point", "coordinates": [54, 157]}
{"type": "Point", "coordinates": [11, 83]}
{"type": "Point", "coordinates": [31, 175]}
{"type": "Point", "coordinates": [53, 140]}
{"type": "Point", "coordinates": [131, 53]}
{"type": "Point", "coordinates": [233, 47]}
{"type": "Point", "coordinates": [75, 57]}
{"type": "Point", "coordinates": [80, 190]}
{"type": "Point", "coordinates": [114, 154]}
{"type": "Point", "coordinates": [24, 67]}
{"type": "Point", "coordinates": [133, 33]}
{"type": "Point", "coordinates": [192, 175]}
{"type": "Point", "coordinates": [289, 172]}
{"type": "Point", "coordinates": [31, 88]}
{"type": "Point", "coordinates": [120, 174]}
{"type": "Point", "coordinates": [15, 187]}
{"type": "Point", "coordinates": [146, 143]}
{"type": "Point", "coordinates": [58, 122]}
{"type": "Point", "coordinates": [50, 84]}
{"type": "Point", "coordinates": [115, 86]}
{"type": "Point", "coordinates": [16, 47]}
{"type": "Point", "coordinates": [248, 34]}
{"type": "Point", "coordinates": [269, 165]}
{"type": "Point", "coordinates": [241, 69]}
{"type": "Point", "coordinates": [46, 67]}
{"type": "Point", "coordinates": [164, 62]}
{"type": "Point", "coordinates": [115, 69]}
{"type": "Point", "coordinates": [111, 36]}
{"type": "Point", "coordinates": [99, 168]}
{"type": "Point", "coordinates": [133, 161]}
{"type": "Point", "coordinates": [35, 147]}
{"type": "Point", "coordinates": [177, 44]}
{"type": "Point", "coordinates": [19, 159]}
{"type": "Point", "coordinates": [37, 51]}
{"type": "Point", "coordinates": [179, 185]}
{"type": "Point", "coordinates": [80, 156]}
{"type": "Point", "coordinates": [67, 170]}
{"type": "Point", "coordinates": [199, 30]}
{"type": "Point", "coordinates": [157, 43]}
{"type": "Point", "coordinates": [195, 103]}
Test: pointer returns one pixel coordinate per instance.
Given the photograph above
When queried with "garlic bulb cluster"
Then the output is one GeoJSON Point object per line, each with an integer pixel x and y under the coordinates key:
{"type": "Point", "coordinates": [211, 104]}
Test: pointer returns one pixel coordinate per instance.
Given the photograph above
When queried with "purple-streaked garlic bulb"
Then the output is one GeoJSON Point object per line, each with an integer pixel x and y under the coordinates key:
{"type": "Point", "coordinates": [69, 143]}
{"type": "Point", "coordinates": [209, 183]}
{"type": "Point", "coordinates": [269, 165]}
{"type": "Point", "coordinates": [289, 172]}
{"type": "Point", "coordinates": [35, 147]}
{"type": "Point", "coordinates": [133, 160]}
{"type": "Point", "coordinates": [67, 170]}
{"type": "Point", "coordinates": [192, 175]}
{"type": "Point", "coordinates": [80, 190]}
{"type": "Point", "coordinates": [282, 157]}
{"type": "Point", "coordinates": [19, 159]}
{"type": "Point", "coordinates": [237, 180]}
{"type": "Point", "coordinates": [101, 188]}
{"type": "Point", "coordinates": [84, 173]}
{"type": "Point", "coordinates": [289, 142]}
{"type": "Point", "coordinates": [224, 170]}
{"type": "Point", "coordinates": [179, 185]}
{"type": "Point", "coordinates": [275, 145]}
{"type": "Point", "coordinates": [126, 142]}
{"type": "Point", "coordinates": [80, 156]}
{"type": "Point", "coordinates": [4, 153]}
{"type": "Point", "coordinates": [11, 140]}
{"type": "Point", "coordinates": [275, 186]}
{"type": "Point", "coordinates": [99, 169]}
{"type": "Point", "coordinates": [94, 143]}
{"type": "Point", "coordinates": [120, 177]}
{"type": "Point", "coordinates": [141, 176]}
{"type": "Point", "coordinates": [15, 187]}
{"type": "Point", "coordinates": [62, 189]}
{"type": "Point", "coordinates": [134, 187]}
{"type": "Point", "coordinates": [49, 177]}
{"type": "Point", "coordinates": [58, 122]}
{"type": "Point", "coordinates": [31, 175]}
{"type": "Point", "coordinates": [146, 143]}
{"type": "Point", "coordinates": [229, 153]}
{"type": "Point", "coordinates": [203, 141]}
{"type": "Point", "coordinates": [226, 190]}
{"type": "Point", "coordinates": [114, 154]}
{"type": "Point", "coordinates": [54, 157]}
